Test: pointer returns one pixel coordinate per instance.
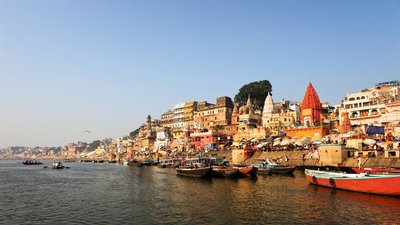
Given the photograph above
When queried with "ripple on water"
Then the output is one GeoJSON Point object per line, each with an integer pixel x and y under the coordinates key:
{"type": "Point", "coordinates": [112, 194]}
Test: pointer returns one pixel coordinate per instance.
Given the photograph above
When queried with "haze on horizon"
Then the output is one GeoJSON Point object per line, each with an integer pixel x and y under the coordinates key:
{"type": "Point", "coordinates": [70, 66]}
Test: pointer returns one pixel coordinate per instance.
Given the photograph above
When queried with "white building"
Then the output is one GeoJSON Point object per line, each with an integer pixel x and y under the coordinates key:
{"type": "Point", "coordinates": [374, 105]}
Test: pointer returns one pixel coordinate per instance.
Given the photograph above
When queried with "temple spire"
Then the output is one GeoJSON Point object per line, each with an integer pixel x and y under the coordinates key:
{"type": "Point", "coordinates": [311, 108]}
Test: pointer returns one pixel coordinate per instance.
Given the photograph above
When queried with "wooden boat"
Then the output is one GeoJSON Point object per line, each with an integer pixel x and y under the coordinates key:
{"type": "Point", "coordinates": [169, 163]}
{"type": "Point", "coordinates": [31, 162]}
{"type": "Point", "coordinates": [194, 171]}
{"type": "Point", "coordinates": [264, 171]}
{"type": "Point", "coordinates": [384, 184]}
{"type": "Point", "coordinates": [247, 170]}
{"type": "Point", "coordinates": [377, 170]}
{"type": "Point", "coordinates": [225, 171]}
{"type": "Point", "coordinates": [57, 165]}
{"type": "Point", "coordinates": [280, 169]}
{"type": "Point", "coordinates": [147, 162]}
{"type": "Point", "coordinates": [196, 167]}
{"type": "Point", "coordinates": [275, 168]}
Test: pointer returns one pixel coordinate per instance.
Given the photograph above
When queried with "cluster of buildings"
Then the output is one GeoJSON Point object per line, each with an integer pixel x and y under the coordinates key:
{"type": "Point", "coordinates": [200, 125]}
{"type": "Point", "coordinates": [203, 125]}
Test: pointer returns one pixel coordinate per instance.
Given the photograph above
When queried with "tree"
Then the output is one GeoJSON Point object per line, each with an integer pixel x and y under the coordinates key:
{"type": "Point", "coordinates": [257, 90]}
{"type": "Point", "coordinates": [92, 146]}
{"type": "Point", "coordinates": [134, 133]}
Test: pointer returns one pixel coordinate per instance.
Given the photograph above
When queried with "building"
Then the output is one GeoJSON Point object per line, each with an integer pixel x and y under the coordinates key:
{"type": "Point", "coordinates": [376, 105]}
{"type": "Point", "coordinates": [210, 116]}
{"type": "Point", "coordinates": [179, 118]}
{"type": "Point", "coordinates": [167, 119]}
{"type": "Point", "coordinates": [247, 123]}
{"type": "Point", "coordinates": [311, 117]}
{"type": "Point", "coordinates": [188, 115]}
{"type": "Point", "coordinates": [249, 117]}
{"type": "Point", "coordinates": [163, 138]}
{"type": "Point", "coordinates": [280, 116]}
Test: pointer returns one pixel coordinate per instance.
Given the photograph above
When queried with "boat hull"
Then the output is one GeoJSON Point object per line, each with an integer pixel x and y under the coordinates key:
{"type": "Point", "coordinates": [224, 171]}
{"type": "Point", "coordinates": [264, 171]}
{"type": "Point", "coordinates": [247, 171]}
{"type": "Point", "coordinates": [194, 172]}
{"type": "Point", "coordinates": [373, 184]}
{"type": "Point", "coordinates": [25, 163]}
{"type": "Point", "coordinates": [283, 169]}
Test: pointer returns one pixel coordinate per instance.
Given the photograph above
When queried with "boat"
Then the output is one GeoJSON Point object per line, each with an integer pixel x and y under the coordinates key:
{"type": "Point", "coordinates": [198, 171]}
{"type": "Point", "coordinates": [169, 163]}
{"type": "Point", "coordinates": [225, 171]}
{"type": "Point", "coordinates": [377, 170]}
{"type": "Point", "coordinates": [264, 171]}
{"type": "Point", "coordinates": [147, 162]}
{"type": "Point", "coordinates": [196, 167]}
{"type": "Point", "coordinates": [31, 162]}
{"type": "Point", "coordinates": [57, 165]}
{"type": "Point", "coordinates": [275, 168]}
{"type": "Point", "coordinates": [383, 184]}
{"type": "Point", "coordinates": [245, 171]}
{"type": "Point", "coordinates": [133, 162]}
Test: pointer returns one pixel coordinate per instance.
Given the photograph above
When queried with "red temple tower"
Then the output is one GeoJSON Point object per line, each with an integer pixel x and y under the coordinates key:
{"type": "Point", "coordinates": [311, 108]}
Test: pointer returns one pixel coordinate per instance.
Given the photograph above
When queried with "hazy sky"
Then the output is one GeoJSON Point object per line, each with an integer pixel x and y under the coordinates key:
{"type": "Point", "coordinates": [75, 65]}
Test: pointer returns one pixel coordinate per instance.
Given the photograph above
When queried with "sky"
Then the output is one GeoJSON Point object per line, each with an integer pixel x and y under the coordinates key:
{"type": "Point", "coordinates": [67, 66]}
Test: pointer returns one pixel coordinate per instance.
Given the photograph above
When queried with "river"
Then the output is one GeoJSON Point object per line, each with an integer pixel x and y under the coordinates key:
{"type": "Point", "coordinates": [90, 193]}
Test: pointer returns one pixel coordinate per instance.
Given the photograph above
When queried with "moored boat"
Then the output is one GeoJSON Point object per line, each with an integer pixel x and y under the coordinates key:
{"type": "Point", "coordinates": [275, 168]}
{"type": "Point", "coordinates": [169, 163]}
{"type": "Point", "coordinates": [57, 165]}
{"type": "Point", "coordinates": [31, 162]}
{"type": "Point", "coordinates": [377, 170]}
{"type": "Point", "coordinates": [280, 169]}
{"type": "Point", "coordinates": [383, 184]}
{"type": "Point", "coordinates": [247, 170]}
{"type": "Point", "coordinates": [264, 171]}
{"type": "Point", "coordinates": [225, 171]}
{"type": "Point", "coordinates": [194, 171]}
{"type": "Point", "coordinates": [196, 167]}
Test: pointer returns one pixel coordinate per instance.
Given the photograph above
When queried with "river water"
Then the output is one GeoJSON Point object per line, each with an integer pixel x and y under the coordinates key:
{"type": "Point", "coordinates": [90, 193]}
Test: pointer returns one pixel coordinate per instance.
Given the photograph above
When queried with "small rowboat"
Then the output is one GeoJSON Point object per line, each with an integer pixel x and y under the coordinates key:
{"type": "Point", "coordinates": [224, 171]}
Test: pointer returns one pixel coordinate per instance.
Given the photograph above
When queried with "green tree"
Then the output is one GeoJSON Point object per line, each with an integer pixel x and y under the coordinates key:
{"type": "Point", "coordinates": [134, 133]}
{"type": "Point", "coordinates": [257, 90]}
{"type": "Point", "coordinates": [92, 146]}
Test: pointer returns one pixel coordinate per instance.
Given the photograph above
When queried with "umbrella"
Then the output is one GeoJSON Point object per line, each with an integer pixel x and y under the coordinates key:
{"type": "Point", "coordinates": [285, 142]}
{"type": "Point", "coordinates": [262, 144]}
{"type": "Point", "coordinates": [369, 141]}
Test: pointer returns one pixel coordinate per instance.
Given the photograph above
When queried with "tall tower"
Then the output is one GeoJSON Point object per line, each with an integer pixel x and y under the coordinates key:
{"type": "Point", "coordinates": [311, 108]}
{"type": "Point", "coordinates": [235, 114]}
{"type": "Point", "coordinates": [268, 108]}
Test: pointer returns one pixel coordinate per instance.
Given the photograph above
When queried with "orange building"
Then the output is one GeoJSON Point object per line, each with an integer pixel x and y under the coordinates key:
{"type": "Point", "coordinates": [311, 116]}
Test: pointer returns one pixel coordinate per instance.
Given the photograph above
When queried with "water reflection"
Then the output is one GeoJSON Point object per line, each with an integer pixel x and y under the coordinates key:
{"type": "Point", "coordinates": [102, 193]}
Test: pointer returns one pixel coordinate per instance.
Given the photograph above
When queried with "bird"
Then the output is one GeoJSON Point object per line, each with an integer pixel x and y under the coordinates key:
{"type": "Point", "coordinates": [87, 131]}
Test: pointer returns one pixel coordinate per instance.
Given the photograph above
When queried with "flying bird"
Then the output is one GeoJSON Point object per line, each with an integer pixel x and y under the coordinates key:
{"type": "Point", "coordinates": [87, 131]}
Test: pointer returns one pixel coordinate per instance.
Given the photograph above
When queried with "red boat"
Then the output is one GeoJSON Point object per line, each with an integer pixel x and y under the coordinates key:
{"type": "Point", "coordinates": [378, 170]}
{"type": "Point", "coordinates": [384, 184]}
{"type": "Point", "coordinates": [247, 170]}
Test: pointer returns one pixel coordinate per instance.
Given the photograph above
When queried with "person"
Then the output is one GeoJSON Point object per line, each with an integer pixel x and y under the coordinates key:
{"type": "Point", "coordinates": [359, 161]}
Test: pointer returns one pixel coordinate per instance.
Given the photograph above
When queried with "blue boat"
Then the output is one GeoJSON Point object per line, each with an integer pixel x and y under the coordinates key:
{"type": "Point", "coordinates": [273, 167]}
